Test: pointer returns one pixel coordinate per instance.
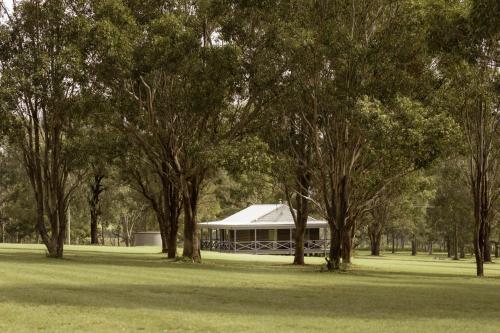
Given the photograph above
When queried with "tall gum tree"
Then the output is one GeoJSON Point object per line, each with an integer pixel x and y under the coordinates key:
{"type": "Point", "coordinates": [317, 61]}
{"type": "Point", "coordinates": [48, 64]}
{"type": "Point", "coordinates": [466, 41]}
{"type": "Point", "coordinates": [183, 108]}
{"type": "Point", "coordinates": [42, 69]}
{"type": "Point", "coordinates": [277, 65]}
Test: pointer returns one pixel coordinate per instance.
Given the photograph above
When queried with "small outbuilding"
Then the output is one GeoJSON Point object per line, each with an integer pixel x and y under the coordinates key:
{"type": "Point", "coordinates": [263, 229]}
{"type": "Point", "coordinates": [147, 238]}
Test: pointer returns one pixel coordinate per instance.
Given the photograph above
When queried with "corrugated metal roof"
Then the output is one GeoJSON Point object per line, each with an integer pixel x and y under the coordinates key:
{"type": "Point", "coordinates": [262, 216]}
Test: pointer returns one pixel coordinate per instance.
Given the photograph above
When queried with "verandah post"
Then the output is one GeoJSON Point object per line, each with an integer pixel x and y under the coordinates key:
{"type": "Point", "coordinates": [255, 240]}
{"type": "Point", "coordinates": [235, 240]}
{"type": "Point", "coordinates": [324, 243]}
{"type": "Point", "coordinates": [210, 239]}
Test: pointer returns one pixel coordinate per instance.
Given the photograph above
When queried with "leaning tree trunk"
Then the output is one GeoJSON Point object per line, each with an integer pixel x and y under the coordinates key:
{"type": "Point", "coordinates": [163, 226]}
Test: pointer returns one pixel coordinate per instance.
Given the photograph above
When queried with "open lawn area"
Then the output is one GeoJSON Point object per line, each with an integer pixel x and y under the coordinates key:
{"type": "Point", "coordinates": [135, 289]}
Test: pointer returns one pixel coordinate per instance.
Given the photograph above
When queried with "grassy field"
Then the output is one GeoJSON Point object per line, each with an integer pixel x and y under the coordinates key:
{"type": "Point", "coordinates": [108, 289]}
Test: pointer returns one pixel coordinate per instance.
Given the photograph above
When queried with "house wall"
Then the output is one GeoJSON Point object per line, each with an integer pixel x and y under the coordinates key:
{"type": "Point", "coordinates": [244, 235]}
{"type": "Point", "coordinates": [312, 234]}
{"type": "Point", "coordinates": [266, 234]}
{"type": "Point", "coordinates": [284, 235]}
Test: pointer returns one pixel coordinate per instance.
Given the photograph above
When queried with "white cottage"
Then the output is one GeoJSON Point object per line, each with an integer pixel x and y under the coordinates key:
{"type": "Point", "coordinates": [263, 229]}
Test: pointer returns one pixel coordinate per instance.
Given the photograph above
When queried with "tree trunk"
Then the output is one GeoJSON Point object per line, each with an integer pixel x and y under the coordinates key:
{"type": "Point", "coordinates": [375, 239]}
{"type": "Point", "coordinates": [301, 215]}
{"type": "Point", "coordinates": [103, 240]}
{"type": "Point", "coordinates": [414, 246]}
{"type": "Point", "coordinates": [96, 190]}
{"type": "Point", "coordinates": [298, 258]}
{"type": "Point", "coordinates": [335, 248]}
{"type": "Point", "coordinates": [380, 217]}
{"type": "Point", "coordinates": [430, 247]}
{"type": "Point", "coordinates": [174, 209]}
{"type": "Point", "coordinates": [191, 232]}
{"type": "Point", "coordinates": [94, 239]}
{"type": "Point", "coordinates": [455, 242]}
{"type": "Point", "coordinates": [162, 225]}
{"type": "Point", "coordinates": [3, 232]}
{"type": "Point", "coordinates": [479, 255]}
{"type": "Point", "coordinates": [49, 191]}
{"type": "Point", "coordinates": [346, 247]}
{"type": "Point", "coordinates": [393, 250]}
{"type": "Point", "coordinates": [172, 244]}
{"type": "Point", "coordinates": [487, 243]}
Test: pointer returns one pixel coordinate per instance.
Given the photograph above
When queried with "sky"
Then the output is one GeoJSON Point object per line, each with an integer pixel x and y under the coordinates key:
{"type": "Point", "coordinates": [8, 4]}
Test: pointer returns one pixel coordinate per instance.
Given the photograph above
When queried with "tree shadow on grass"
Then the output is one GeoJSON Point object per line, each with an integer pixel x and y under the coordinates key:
{"type": "Point", "coordinates": [153, 261]}
{"type": "Point", "coordinates": [349, 301]}
{"type": "Point", "coordinates": [157, 261]}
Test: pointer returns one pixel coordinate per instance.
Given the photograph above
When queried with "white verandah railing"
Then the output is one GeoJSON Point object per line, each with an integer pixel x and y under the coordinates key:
{"type": "Point", "coordinates": [310, 246]}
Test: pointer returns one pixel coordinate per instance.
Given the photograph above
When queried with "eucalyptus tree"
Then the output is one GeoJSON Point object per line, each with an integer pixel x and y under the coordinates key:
{"type": "Point", "coordinates": [329, 74]}
{"type": "Point", "coordinates": [281, 68]}
{"type": "Point", "coordinates": [48, 64]}
{"type": "Point", "coordinates": [384, 210]}
{"type": "Point", "coordinates": [451, 213]}
{"type": "Point", "coordinates": [41, 70]}
{"type": "Point", "coordinates": [466, 38]}
{"type": "Point", "coordinates": [360, 123]}
{"type": "Point", "coordinates": [103, 146]}
{"type": "Point", "coordinates": [184, 109]}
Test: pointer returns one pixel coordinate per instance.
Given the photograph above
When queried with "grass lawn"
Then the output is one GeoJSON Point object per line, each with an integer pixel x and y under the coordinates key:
{"type": "Point", "coordinates": [135, 289]}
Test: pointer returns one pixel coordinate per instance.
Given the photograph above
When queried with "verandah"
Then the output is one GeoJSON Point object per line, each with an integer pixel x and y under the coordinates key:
{"type": "Point", "coordinates": [263, 241]}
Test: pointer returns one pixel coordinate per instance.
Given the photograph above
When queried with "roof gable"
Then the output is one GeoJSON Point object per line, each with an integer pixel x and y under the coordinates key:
{"type": "Point", "coordinates": [262, 214]}
{"type": "Point", "coordinates": [262, 217]}
{"type": "Point", "coordinates": [250, 214]}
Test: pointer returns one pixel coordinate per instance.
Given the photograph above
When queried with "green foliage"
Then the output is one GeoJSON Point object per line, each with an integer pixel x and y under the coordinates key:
{"type": "Point", "coordinates": [451, 205]}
